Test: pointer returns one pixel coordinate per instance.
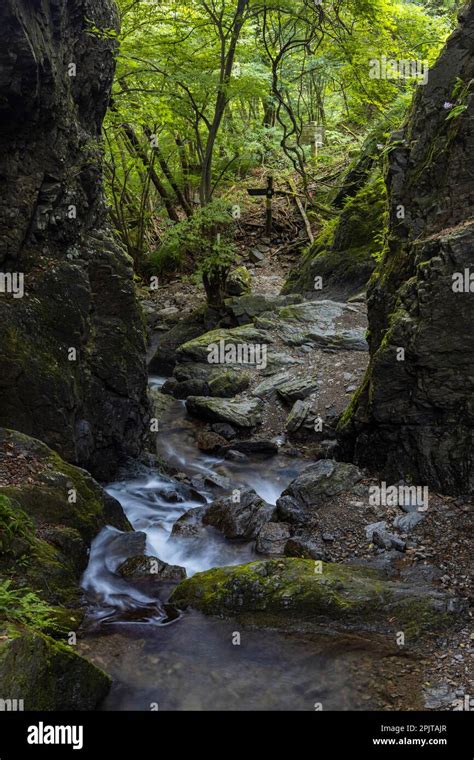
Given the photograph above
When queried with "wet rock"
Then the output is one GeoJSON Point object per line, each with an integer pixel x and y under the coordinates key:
{"type": "Point", "coordinates": [190, 524]}
{"type": "Point", "coordinates": [210, 442]}
{"type": "Point", "coordinates": [226, 431]}
{"type": "Point", "coordinates": [123, 546]}
{"type": "Point", "coordinates": [290, 588]}
{"type": "Point", "coordinates": [272, 539]}
{"type": "Point", "coordinates": [239, 519]}
{"type": "Point", "coordinates": [260, 447]}
{"type": "Point", "coordinates": [49, 676]}
{"type": "Point", "coordinates": [141, 570]}
{"type": "Point", "coordinates": [217, 481]}
{"type": "Point", "coordinates": [313, 487]}
{"type": "Point", "coordinates": [235, 456]}
{"type": "Point", "coordinates": [189, 388]}
{"type": "Point", "coordinates": [246, 413]}
{"type": "Point", "coordinates": [160, 403]}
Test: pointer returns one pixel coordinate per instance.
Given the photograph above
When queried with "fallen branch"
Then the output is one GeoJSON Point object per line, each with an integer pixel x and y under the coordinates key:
{"type": "Point", "coordinates": [292, 187]}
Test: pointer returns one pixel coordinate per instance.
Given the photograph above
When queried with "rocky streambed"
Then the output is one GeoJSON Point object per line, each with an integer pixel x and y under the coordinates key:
{"type": "Point", "coordinates": [298, 594]}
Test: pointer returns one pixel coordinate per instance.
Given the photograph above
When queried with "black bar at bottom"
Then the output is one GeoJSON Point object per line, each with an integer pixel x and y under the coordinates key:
{"type": "Point", "coordinates": [130, 734]}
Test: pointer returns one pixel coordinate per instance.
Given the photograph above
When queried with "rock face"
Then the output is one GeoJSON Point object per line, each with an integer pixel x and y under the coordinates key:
{"type": "Point", "coordinates": [413, 416]}
{"type": "Point", "coordinates": [72, 348]}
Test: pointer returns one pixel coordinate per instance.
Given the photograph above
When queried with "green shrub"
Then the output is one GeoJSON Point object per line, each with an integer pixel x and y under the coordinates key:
{"type": "Point", "coordinates": [205, 242]}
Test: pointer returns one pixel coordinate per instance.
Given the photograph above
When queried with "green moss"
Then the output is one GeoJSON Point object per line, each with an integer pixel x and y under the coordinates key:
{"type": "Point", "coordinates": [294, 589]}
{"type": "Point", "coordinates": [48, 675]}
{"type": "Point", "coordinates": [228, 383]}
{"type": "Point", "coordinates": [346, 250]}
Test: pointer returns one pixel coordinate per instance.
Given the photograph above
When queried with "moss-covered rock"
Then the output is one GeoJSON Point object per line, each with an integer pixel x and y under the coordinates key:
{"type": "Point", "coordinates": [346, 251]}
{"type": "Point", "coordinates": [246, 413]}
{"type": "Point", "coordinates": [293, 589]}
{"type": "Point", "coordinates": [48, 675]}
{"type": "Point", "coordinates": [198, 350]}
{"type": "Point", "coordinates": [239, 282]}
{"type": "Point", "coordinates": [228, 383]}
{"type": "Point", "coordinates": [58, 493]}
{"type": "Point", "coordinates": [49, 513]}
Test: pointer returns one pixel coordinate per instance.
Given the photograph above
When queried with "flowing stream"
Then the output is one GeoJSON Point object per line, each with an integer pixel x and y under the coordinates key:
{"type": "Point", "coordinates": [162, 659]}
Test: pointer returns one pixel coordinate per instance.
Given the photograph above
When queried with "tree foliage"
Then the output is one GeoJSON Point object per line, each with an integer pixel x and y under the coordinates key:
{"type": "Point", "coordinates": [208, 90]}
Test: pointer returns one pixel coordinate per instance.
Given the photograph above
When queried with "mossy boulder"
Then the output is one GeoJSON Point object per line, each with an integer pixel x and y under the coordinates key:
{"type": "Point", "coordinates": [198, 350]}
{"type": "Point", "coordinates": [58, 493]}
{"type": "Point", "coordinates": [48, 675]}
{"type": "Point", "coordinates": [229, 383]}
{"type": "Point", "coordinates": [245, 413]}
{"type": "Point", "coordinates": [299, 589]}
{"type": "Point", "coordinates": [49, 513]}
{"type": "Point", "coordinates": [239, 282]}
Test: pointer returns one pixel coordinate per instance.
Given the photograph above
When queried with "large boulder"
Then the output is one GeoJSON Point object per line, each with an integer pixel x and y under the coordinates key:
{"type": "Point", "coordinates": [413, 416]}
{"type": "Point", "coordinates": [298, 589]}
{"type": "Point", "coordinates": [72, 349]}
{"type": "Point", "coordinates": [243, 413]}
{"type": "Point", "coordinates": [49, 513]}
{"type": "Point", "coordinates": [47, 675]}
{"type": "Point", "coordinates": [320, 323]}
{"type": "Point", "coordinates": [239, 519]}
{"type": "Point", "coordinates": [314, 487]}
{"type": "Point", "coordinates": [200, 349]}
{"type": "Point", "coordinates": [145, 571]}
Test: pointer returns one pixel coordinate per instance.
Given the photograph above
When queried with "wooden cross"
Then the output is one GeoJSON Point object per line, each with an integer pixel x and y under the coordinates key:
{"type": "Point", "coordinates": [268, 192]}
